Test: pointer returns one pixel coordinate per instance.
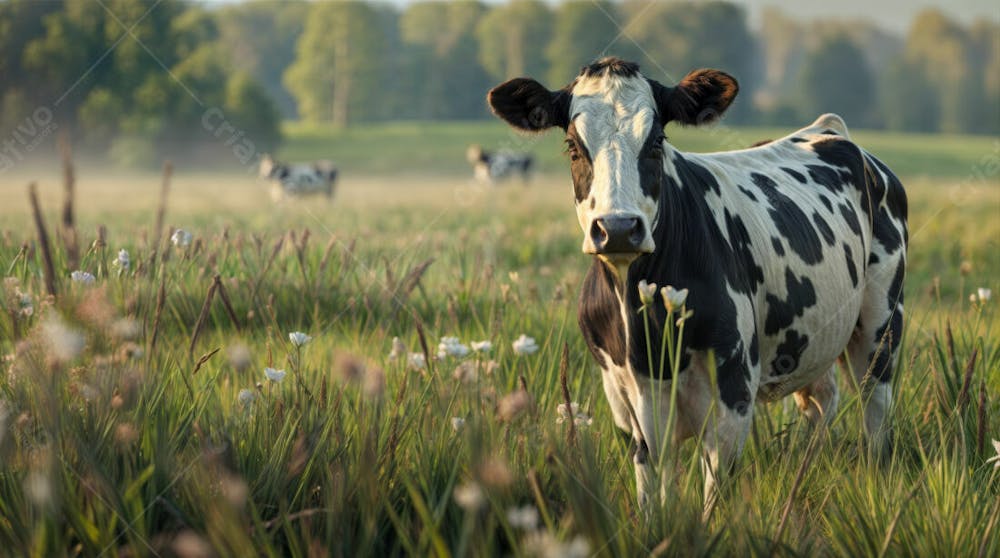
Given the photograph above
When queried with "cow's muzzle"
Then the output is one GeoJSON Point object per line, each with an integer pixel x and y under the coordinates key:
{"type": "Point", "coordinates": [618, 234]}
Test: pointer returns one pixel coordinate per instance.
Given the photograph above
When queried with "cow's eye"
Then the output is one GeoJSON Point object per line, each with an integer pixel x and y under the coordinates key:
{"type": "Point", "coordinates": [572, 149]}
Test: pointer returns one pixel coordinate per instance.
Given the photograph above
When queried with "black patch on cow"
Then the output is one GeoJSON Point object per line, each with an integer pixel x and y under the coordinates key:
{"type": "Point", "coordinates": [885, 231]}
{"type": "Point", "coordinates": [850, 217]}
{"type": "Point", "coordinates": [797, 139]}
{"type": "Point", "coordinates": [599, 315]}
{"type": "Point", "coordinates": [610, 65]}
{"type": "Point", "coordinates": [788, 354]}
{"type": "Point", "coordinates": [754, 349]}
{"type": "Point", "coordinates": [760, 143]}
{"type": "Point", "coordinates": [795, 174]}
{"type": "Point", "coordinates": [701, 177]}
{"type": "Point", "coordinates": [890, 333]}
{"type": "Point", "coordinates": [593, 202]}
{"type": "Point", "coordinates": [742, 251]}
{"type": "Point", "coordinates": [779, 249]}
{"type": "Point", "coordinates": [747, 193]}
{"type": "Point", "coordinates": [790, 221]}
{"type": "Point", "coordinates": [826, 177]}
{"type": "Point", "coordinates": [283, 172]}
{"type": "Point", "coordinates": [873, 259]}
{"type": "Point", "coordinates": [640, 453]}
{"type": "Point", "coordinates": [887, 340]}
{"type": "Point", "coordinates": [895, 195]}
{"type": "Point", "coordinates": [734, 381]}
{"type": "Point", "coordinates": [829, 132]}
{"type": "Point", "coordinates": [826, 202]}
{"type": "Point", "coordinates": [823, 228]}
{"type": "Point", "coordinates": [651, 162]}
{"type": "Point", "coordinates": [781, 313]}
{"type": "Point", "coordinates": [581, 167]}
{"type": "Point", "coordinates": [851, 267]}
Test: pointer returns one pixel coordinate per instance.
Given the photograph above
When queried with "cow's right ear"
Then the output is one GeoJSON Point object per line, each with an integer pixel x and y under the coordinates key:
{"type": "Point", "coordinates": [527, 105]}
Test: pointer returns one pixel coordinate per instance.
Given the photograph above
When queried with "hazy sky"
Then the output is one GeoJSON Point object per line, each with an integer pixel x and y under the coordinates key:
{"type": "Point", "coordinates": [894, 15]}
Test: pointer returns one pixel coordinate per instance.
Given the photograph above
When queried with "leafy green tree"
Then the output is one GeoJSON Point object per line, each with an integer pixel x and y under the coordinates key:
{"type": "Point", "coordinates": [581, 33]}
{"type": "Point", "coordinates": [261, 37]}
{"type": "Point", "coordinates": [836, 78]}
{"type": "Point", "coordinates": [336, 72]}
{"type": "Point", "coordinates": [673, 38]}
{"type": "Point", "coordinates": [508, 36]}
{"type": "Point", "coordinates": [441, 59]}
{"type": "Point", "coordinates": [909, 100]}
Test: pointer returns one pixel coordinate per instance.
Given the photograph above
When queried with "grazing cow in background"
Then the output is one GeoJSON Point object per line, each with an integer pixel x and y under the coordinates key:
{"type": "Point", "coordinates": [493, 167]}
{"type": "Point", "coordinates": [298, 179]}
{"type": "Point", "coordinates": [792, 252]}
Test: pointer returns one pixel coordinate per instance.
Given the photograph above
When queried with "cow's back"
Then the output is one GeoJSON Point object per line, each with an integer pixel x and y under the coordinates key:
{"type": "Point", "coordinates": [805, 215]}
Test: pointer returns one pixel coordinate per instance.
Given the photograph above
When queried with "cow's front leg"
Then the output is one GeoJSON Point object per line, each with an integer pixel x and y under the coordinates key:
{"type": "Point", "coordinates": [727, 422]}
{"type": "Point", "coordinates": [645, 477]}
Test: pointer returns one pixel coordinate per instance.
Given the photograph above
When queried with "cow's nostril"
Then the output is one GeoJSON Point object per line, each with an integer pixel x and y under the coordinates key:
{"type": "Point", "coordinates": [598, 234]}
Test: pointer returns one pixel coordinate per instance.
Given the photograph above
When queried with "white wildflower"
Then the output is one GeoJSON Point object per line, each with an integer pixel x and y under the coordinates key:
{"type": "Point", "coordinates": [466, 373]}
{"type": "Point", "coordinates": [524, 517]}
{"type": "Point", "coordinates": [482, 346]}
{"type": "Point", "coordinates": [82, 277]}
{"type": "Point", "coordinates": [647, 291]}
{"type": "Point", "coordinates": [181, 238]}
{"type": "Point", "coordinates": [26, 307]}
{"type": "Point", "coordinates": [457, 423]}
{"type": "Point", "coordinates": [38, 487]}
{"type": "Point", "coordinates": [545, 545]}
{"type": "Point", "coordinates": [469, 497]}
{"type": "Point", "coordinates": [298, 338]}
{"type": "Point", "coordinates": [416, 361]}
{"type": "Point", "coordinates": [450, 346]}
{"type": "Point", "coordinates": [239, 357]}
{"type": "Point", "coordinates": [525, 345]}
{"type": "Point", "coordinates": [66, 343]}
{"type": "Point", "coordinates": [684, 317]}
{"type": "Point", "coordinates": [398, 349]}
{"type": "Point", "coordinates": [274, 375]}
{"type": "Point", "coordinates": [246, 396]}
{"type": "Point", "coordinates": [984, 294]}
{"type": "Point", "coordinates": [995, 460]}
{"type": "Point", "coordinates": [673, 299]}
{"type": "Point", "coordinates": [579, 418]}
{"type": "Point", "coordinates": [124, 261]}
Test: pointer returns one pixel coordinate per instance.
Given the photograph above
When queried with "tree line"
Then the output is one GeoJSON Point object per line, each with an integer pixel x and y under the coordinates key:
{"type": "Point", "coordinates": [134, 77]}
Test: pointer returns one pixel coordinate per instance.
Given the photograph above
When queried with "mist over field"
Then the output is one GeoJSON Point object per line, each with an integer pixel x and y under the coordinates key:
{"type": "Point", "coordinates": [371, 347]}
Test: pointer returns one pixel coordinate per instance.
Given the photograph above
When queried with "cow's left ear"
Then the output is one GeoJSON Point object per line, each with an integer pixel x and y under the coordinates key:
{"type": "Point", "coordinates": [528, 105]}
{"type": "Point", "coordinates": [700, 98]}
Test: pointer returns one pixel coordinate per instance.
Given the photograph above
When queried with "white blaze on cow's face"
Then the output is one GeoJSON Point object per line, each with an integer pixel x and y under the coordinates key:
{"type": "Point", "coordinates": [613, 137]}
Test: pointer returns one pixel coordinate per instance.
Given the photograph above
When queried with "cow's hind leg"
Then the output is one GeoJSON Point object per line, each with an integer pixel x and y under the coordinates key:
{"type": "Point", "coordinates": [819, 400]}
{"type": "Point", "coordinates": [874, 346]}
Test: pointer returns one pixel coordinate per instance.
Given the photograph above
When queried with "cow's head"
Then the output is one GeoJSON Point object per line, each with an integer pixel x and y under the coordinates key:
{"type": "Point", "coordinates": [613, 118]}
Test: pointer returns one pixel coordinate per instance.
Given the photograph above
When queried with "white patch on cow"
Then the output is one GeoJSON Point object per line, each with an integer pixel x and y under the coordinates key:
{"type": "Point", "coordinates": [613, 115]}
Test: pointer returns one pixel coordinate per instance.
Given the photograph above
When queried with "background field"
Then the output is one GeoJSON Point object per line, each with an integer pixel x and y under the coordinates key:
{"type": "Point", "coordinates": [134, 448]}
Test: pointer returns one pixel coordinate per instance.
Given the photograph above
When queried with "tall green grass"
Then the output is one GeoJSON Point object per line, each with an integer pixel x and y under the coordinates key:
{"type": "Point", "coordinates": [132, 448]}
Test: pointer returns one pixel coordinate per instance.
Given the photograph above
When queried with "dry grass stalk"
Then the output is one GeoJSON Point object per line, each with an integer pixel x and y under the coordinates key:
{"type": "Point", "coordinates": [228, 305]}
{"type": "Point", "coordinates": [43, 240]}
{"type": "Point", "coordinates": [963, 395]}
{"type": "Point", "coordinates": [161, 298]}
{"type": "Point", "coordinates": [69, 236]}
{"type": "Point", "coordinates": [423, 343]}
{"type": "Point", "coordinates": [202, 317]}
{"type": "Point", "coordinates": [161, 210]}
{"type": "Point", "coordinates": [204, 358]}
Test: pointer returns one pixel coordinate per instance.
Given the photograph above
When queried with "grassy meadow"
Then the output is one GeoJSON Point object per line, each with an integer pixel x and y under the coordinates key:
{"type": "Point", "coordinates": [136, 417]}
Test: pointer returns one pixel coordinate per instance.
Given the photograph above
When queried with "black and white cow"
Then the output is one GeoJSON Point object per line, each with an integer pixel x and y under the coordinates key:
{"type": "Point", "coordinates": [298, 179]}
{"type": "Point", "coordinates": [792, 251]}
{"type": "Point", "coordinates": [492, 167]}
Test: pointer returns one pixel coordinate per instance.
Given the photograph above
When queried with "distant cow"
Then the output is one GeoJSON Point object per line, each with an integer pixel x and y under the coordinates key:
{"type": "Point", "coordinates": [792, 252]}
{"type": "Point", "coordinates": [298, 179]}
{"type": "Point", "coordinates": [497, 166]}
